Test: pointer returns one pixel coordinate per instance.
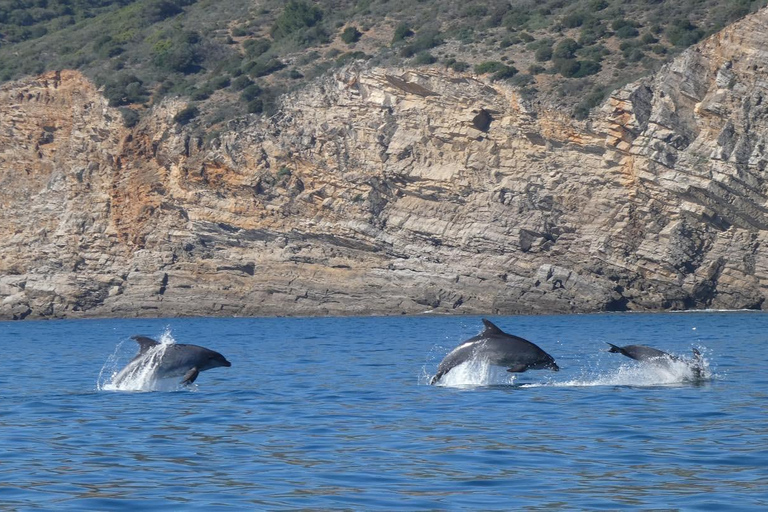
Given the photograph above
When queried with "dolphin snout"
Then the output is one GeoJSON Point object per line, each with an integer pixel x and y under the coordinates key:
{"type": "Point", "coordinates": [554, 367]}
{"type": "Point", "coordinates": [227, 363]}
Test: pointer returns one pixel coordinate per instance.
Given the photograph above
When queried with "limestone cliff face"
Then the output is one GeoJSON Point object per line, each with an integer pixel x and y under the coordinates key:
{"type": "Point", "coordinates": [394, 191]}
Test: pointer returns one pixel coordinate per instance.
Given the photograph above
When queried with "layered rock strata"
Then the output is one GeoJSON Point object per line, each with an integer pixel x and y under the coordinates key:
{"type": "Point", "coordinates": [389, 191]}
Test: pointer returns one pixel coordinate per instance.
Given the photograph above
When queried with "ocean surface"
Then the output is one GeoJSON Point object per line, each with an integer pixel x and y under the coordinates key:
{"type": "Point", "coordinates": [337, 414]}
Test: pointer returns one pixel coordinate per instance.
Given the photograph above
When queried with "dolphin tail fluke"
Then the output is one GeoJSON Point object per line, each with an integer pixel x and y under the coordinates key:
{"type": "Point", "coordinates": [190, 376]}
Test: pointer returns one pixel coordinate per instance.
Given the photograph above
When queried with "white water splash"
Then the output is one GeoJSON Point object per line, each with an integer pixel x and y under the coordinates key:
{"type": "Point", "coordinates": [638, 374]}
{"type": "Point", "coordinates": [138, 375]}
{"type": "Point", "coordinates": [474, 373]}
{"type": "Point", "coordinates": [479, 373]}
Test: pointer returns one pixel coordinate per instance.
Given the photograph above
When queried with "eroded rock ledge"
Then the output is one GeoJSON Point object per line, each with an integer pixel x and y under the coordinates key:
{"type": "Point", "coordinates": [387, 191]}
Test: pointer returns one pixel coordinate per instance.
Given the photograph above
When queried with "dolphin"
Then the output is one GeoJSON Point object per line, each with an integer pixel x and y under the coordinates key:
{"type": "Point", "coordinates": [498, 348]}
{"type": "Point", "coordinates": [659, 357]}
{"type": "Point", "coordinates": [175, 360]}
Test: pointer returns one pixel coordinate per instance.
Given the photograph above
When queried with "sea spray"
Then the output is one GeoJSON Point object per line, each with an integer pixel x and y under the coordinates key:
{"type": "Point", "coordinates": [638, 374]}
{"type": "Point", "coordinates": [138, 374]}
{"type": "Point", "coordinates": [480, 373]}
{"type": "Point", "coordinates": [476, 373]}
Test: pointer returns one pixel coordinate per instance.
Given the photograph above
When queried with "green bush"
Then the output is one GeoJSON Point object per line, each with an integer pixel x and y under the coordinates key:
{"type": "Point", "coordinates": [402, 31]}
{"type": "Point", "coordinates": [588, 37]}
{"type": "Point", "coordinates": [241, 83]}
{"type": "Point", "coordinates": [543, 54]}
{"type": "Point", "coordinates": [619, 23]}
{"type": "Point", "coordinates": [256, 47]}
{"type": "Point", "coordinates": [489, 67]}
{"type": "Point", "coordinates": [424, 40]}
{"type": "Point", "coordinates": [351, 35]}
{"type": "Point", "coordinates": [460, 66]}
{"type": "Point", "coordinates": [522, 80]}
{"type": "Point", "coordinates": [465, 35]}
{"type": "Point", "coordinates": [629, 45]}
{"type": "Point", "coordinates": [308, 58]}
{"type": "Point", "coordinates": [595, 52]}
{"type": "Point", "coordinates": [259, 68]}
{"type": "Point", "coordinates": [516, 18]}
{"type": "Point", "coordinates": [474, 11]}
{"type": "Point", "coordinates": [587, 68]}
{"type": "Point", "coordinates": [201, 94]}
{"type": "Point", "coordinates": [219, 82]}
{"type": "Point", "coordinates": [130, 117]}
{"type": "Point", "coordinates": [179, 54]}
{"type": "Point", "coordinates": [535, 45]}
{"type": "Point", "coordinates": [424, 58]}
{"type": "Point", "coordinates": [648, 38]}
{"type": "Point", "coordinates": [505, 73]}
{"type": "Point", "coordinates": [634, 55]}
{"type": "Point", "coordinates": [255, 106]}
{"type": "Point", "coordinates": [106, 47]}
{"type": "Point", "coordinates": [251, 92]}
{"type": "Point", "coordinates": [567, 67]}
{"type": "Point", "coordinates": [296, 16]}
{"type": "Point", "coordinates": [626, 32]}
{"type": "Point", "coordinates": [125, 90]}
{"type": "Point", "coordinates": [496, 17]}
{"type": "Point", "coordinates": [158, 10]}
{"type": "Point", "coordinates": [683, 33]}
{"type": "Point", "coordinates": [565, 49]}
{"type": "Point", "coordinates": [509, 41]}
{"type": "Point", "coordinates": [575, 19]}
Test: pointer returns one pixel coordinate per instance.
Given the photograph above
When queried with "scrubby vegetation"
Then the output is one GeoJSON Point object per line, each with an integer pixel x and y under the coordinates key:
{"type": "Point", "coordinates": [237, 57]}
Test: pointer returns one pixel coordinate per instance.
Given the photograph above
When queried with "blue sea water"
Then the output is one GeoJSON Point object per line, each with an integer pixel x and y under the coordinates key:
{"type": "Point", "coordinates": [336, 414]}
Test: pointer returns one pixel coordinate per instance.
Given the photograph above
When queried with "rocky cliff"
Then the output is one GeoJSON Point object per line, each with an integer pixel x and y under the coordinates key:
{"type": "Point", "coordinates": [388, 191]}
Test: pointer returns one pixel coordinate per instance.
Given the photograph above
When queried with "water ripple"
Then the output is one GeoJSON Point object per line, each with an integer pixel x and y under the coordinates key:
{"type": "Point", "coordinates": [337, 414]}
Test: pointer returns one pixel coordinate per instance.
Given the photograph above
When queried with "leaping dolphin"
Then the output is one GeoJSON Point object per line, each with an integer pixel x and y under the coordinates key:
{"type": "Point", "coordinates": [175, 360]}
{"type": "Point", "coordinates": [659, 357]}
{"type": "Point", "coordinates": [500, 349]}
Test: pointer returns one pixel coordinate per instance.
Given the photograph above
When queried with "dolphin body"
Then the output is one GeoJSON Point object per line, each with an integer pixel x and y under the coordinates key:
{"type": "Point", "coordinates": [176, 360]}
{"type": "Point", "coordinates": [659, 357]}
{"type": "Point", "coordinates": [500, 349]}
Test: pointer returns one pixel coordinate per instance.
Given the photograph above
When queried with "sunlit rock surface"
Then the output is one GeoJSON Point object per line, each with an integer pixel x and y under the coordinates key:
{"type": "Point", "coordinates": [389, 191]}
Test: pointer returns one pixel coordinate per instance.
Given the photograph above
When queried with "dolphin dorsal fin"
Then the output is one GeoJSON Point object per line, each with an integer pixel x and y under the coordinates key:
{"type": "Point", "coordinates": [144, 343]}
{"type": "Point", "coordinates": [490, 328]}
